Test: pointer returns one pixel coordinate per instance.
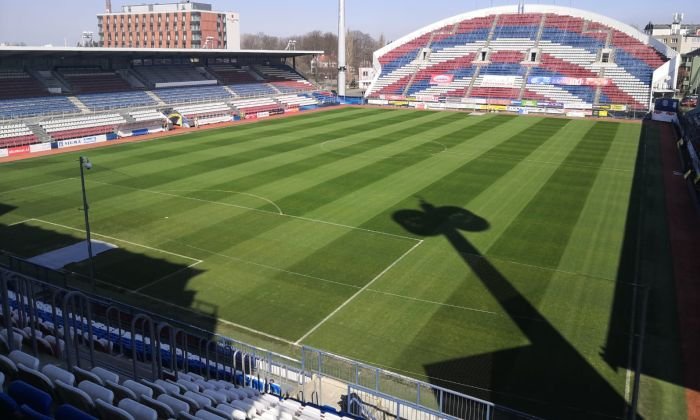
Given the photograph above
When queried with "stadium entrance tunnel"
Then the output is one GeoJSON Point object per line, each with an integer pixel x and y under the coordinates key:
{"type": "Point", "coordinates": [548, 377]}
{"type": "Point", "coordinates": [123, 276]}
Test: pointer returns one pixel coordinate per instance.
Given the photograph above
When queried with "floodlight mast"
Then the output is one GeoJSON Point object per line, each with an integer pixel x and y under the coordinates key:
{"type": "Point", "coordinates": [86, 164]}
{"type": "Point", "coordinates": [341, 48]}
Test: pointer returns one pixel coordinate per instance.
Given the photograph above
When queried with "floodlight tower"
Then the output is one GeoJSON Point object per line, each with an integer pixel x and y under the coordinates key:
{"type": "Point", "coordinates": [341, 48]}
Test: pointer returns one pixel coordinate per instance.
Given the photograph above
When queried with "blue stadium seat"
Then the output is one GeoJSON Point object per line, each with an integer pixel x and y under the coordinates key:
{"type": "Point", "coordinates": [68, 412]}
{"type": "Point", "coordinates": [23, 393]}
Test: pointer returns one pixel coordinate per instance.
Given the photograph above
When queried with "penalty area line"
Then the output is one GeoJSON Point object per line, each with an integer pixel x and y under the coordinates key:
{"type": "Point", "coordinates": [198, 261]}
{"type": "Point", "coordinates": [351, 298]}
{"type": "Point", "coordinates": [184, 308]}
{"type": "Point", "coordinates": [167, 276]}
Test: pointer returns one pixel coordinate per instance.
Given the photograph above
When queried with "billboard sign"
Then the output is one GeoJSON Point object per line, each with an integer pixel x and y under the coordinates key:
{"type": "Point", "coordinates": [491, 80]}
{"type": "Point", "coordinates": [568, 81]}
{"type": "Point", "coordinates": [441, 79]}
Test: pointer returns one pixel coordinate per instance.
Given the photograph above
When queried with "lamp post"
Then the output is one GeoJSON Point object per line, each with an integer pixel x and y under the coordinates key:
{"type": "Point", "coordinates": [86, 164]}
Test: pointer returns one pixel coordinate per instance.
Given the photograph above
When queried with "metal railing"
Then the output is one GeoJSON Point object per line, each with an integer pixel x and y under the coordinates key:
{"type": "Point", "coordinates": [156, 346]}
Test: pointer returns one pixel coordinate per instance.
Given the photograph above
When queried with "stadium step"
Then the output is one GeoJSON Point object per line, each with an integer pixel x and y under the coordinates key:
{"type": "Point", "coordinates": [228, 89]}
{"type": "Point", "coordinates": [155, 98]}
{"type": "Point", "coordinates": [81, 106]}
{"type": "Point", "coordinates": [127, 116]}
{"type": "Point", "coordinates": [39, 132]}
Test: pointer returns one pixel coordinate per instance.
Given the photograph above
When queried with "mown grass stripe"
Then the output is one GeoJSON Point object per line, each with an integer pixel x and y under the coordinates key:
{"type": "Point", "coordinates": [551, 216]}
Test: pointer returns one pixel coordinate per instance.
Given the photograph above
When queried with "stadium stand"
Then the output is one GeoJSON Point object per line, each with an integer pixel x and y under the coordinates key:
{"type": "Point", "coordinates": [548, 54]}
{"type": "Point", "coordinates": [216, 108]}
{"type": "Point", "coordinates": [173, 75]}
{"type": "Point", "coordinates": [19, 84]}
{"type": "Point", "coordinates": [324, 98]}
{"type": "Point", "coordinates": [102, 101]}
{"type": "Point", "coordinates": [16, 135]}
{"type": "Point", "coordinates": [232, 75]}
{"type": "Point", "coordinates": [252, 106]}
{"type": "Point", "coordinates": [296, 101]}
{"type": "Point", "coordinates": [192, 94]}
{"type": "Point", "coordinates": [44, 380]}
{"type": "Point", "coordinates": [253, 90]}
{"type": "Point", "coordinates": [91, 125]}
{"type": "Point", "coordinates": [29, 107]}
{"type": "Point", "coordinates": [88, 80]}
{"type": "Point", "coordinates": [147, 115]}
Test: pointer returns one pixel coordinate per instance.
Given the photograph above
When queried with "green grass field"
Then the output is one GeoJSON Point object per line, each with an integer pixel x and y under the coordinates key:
{"type": "Point", "coordinates": [481, 253]}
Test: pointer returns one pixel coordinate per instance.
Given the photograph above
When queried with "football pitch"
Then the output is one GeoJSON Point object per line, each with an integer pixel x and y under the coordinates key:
{"type": "Point", "coordinates": [489, 254]}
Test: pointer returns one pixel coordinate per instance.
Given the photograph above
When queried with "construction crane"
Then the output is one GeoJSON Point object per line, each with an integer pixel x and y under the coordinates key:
{"type": "Point", "coordinates": [108, 6]}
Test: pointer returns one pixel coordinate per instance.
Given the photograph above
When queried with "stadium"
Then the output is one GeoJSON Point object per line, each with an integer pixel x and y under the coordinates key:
{"type": "Point", "coordinates": [504, 225]}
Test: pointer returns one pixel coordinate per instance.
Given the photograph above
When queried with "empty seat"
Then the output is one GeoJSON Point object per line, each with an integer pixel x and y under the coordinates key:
{"type": "Point", "coordinates": [194, 405]}
{"type": "Point", "coordinates": [97, 392]}
{"type": "Point", "coordinates": [191, 386]}
{"type": "Point", "coordinates": [8, 368]}
{"type": "Point", "coordinates": [163, 410]}
{"type": "Point", "coordinates": [85, 375]}
{"type": "Point", "coordinates": [245, 406]}
{"type": "Point", "coordinates": [138, 410]}
{"type": "Point", "coordinates": [138, 388]}
{"type": "Point", "coordinates": [201, 399]}
{"type": "Point", "coordinates": [169, 387]}
{"type": "Point", "coordinates": [27, 360]}
{"type": "Point", "coordinates": [175, 404]}
{"type": "Point", "coordinates": [217, 396]}
{"type": "Point", "coordinates": [208, 415]}
{"type": "Point", "coordinates": [55, 373]}
{"type": "Point", "coordinates": [121, 392]}
{"type": "Point", "coordinates": [105, 375]}
{"type": "Point", "coordinates": [8, 406]}
{"type": "Point", "coordinates": [74, 396]}
{"type": "Point", "coordinates": [155, 388]}
{"type": "Point", "coordinates": [23, 393]}
{"type": "Point", "coordinates": [29, 413]}
{"type": "Point", "coordinates": [232, 412]}
{"type": "Point", "coordinates": [68, 412]}
{"type": "Point", "coordinates": [108, 411]}
{"type": "Point", "coordinates": [35, 378]}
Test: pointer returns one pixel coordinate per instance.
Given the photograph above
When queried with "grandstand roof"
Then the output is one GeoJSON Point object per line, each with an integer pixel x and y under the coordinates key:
{"type": "Point", "coordinates": [6, 52]}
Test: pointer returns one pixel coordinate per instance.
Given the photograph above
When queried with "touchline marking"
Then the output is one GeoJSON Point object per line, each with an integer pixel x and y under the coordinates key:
{"type": "Point", "coordinates": [120, 240]}
{"type": "Point", "coordinates": [34, 186]}
{"type": "Point", "coordinates": [365, 287]}
{"type": "Point", "coordinates": [167, 276]}
{"type": "Point", "coordinates": [261, 211]}
{"type": "Point", "coordinates": [20, 222]}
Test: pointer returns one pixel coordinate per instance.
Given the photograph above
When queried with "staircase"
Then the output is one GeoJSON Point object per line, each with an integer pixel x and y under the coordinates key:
{"type": "Point", "coordinates": [596, 97]}
{"type": "Point", "coordinates": [529, 67]}
{"type": "Point", "coordinates": [492, 32]}
{"type": "Point", "coordinates": [279, 92]}
{"type": "Point", "coordinates": [81, 106]}
{"type": "Point", "coordinates": [46, 78]}
{"type": "Point", "coordinates": [155, 98]}
{"type": "Point", "coordinates": [421, 66]}
{"type": "Point", "coordinates": [39, 132]}
{"type": "Point", "coordinates": [229, 90]}
{"type": "Point", "coordinates": [125, 114]}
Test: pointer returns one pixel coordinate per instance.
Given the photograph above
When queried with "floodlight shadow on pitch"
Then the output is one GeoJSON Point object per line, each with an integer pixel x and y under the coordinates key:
{"type": "Point", "coordinates": [435, 221]}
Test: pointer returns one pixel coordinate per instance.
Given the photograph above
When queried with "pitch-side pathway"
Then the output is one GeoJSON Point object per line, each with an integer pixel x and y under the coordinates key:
{"type": "Point", "coordinates": [684, 231]}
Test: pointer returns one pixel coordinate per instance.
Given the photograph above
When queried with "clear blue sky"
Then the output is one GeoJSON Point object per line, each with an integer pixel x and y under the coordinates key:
{"type": "Point", "coordinates": [39, 22]}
